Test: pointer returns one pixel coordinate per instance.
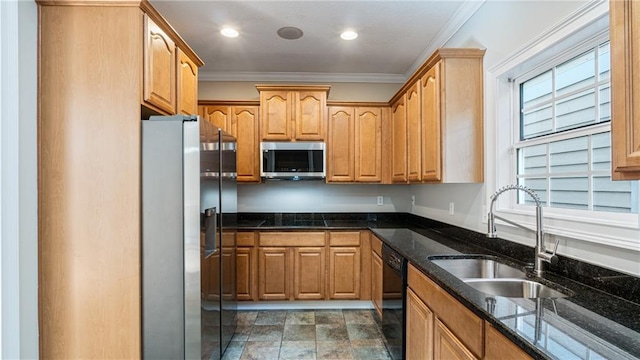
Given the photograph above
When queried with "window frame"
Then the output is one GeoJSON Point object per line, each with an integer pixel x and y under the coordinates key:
{"type": "Point", "coordinates": [562, 43]}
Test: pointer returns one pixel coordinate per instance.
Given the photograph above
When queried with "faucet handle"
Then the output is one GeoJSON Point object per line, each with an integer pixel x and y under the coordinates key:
{"type": "Point", "coordinates": [551, 258]}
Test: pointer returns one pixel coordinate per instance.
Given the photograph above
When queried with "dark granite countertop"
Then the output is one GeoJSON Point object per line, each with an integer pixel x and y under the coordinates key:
{"type": "Point", "coordinates": [589, 324]}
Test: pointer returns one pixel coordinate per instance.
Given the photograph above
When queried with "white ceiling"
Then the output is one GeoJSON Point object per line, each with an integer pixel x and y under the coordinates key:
{"type": "Point", "coordinates": [395, 37]}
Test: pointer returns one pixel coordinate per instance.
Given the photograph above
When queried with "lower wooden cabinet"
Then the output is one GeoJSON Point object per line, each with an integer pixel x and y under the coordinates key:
{"type": "Point", "coordinates": [419, 323]}
{"type": "Point", "coordinates": [308, 273]}
{"type": "Point", "coordinates": [344, 273]}
{"type": "Point", "coordinates": [274, 272]}
{"type": "Point", "coordinates": [498, 347]}
{"type": "Point", "coordinates": [246, 271]}
{"type": "Point", "coordinates": [376, 274]}
{"type": "Point", "coordinates": [447, 346]}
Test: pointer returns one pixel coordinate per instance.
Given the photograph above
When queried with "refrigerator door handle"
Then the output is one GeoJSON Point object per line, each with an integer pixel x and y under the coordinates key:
{"type": "Point", "coordinates": [210, 229]}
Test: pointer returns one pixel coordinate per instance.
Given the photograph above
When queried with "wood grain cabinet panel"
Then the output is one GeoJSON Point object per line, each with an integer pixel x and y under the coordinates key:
{"type": "Point", "coordinates": [245, 127]}
{"type": "Point", "coordinates": [431, 139]}
{"type": "Point", "coordinates": [419, 328]}
{"type": "Point", "coordinates": [413, 122]}
{"type": "Point", "coordinates": [399, 141]}
{"type": "Point", "coordinates": [498, 347]}
{"type": "Point", "coordinates": [218, 115]}
{"type": "Point", "coordinates": [344, 273]}
{"type": "Point", "coordinates": [293, 113]}
{"type": "Point", "coordinates": [376, 282]}
{"type": "Point", "coordinates": [309, 270]}
{"type": "Point", "coordinates": [246, 273]}
{"type": "Point", "coordinates": [448, 346]}
{"type": "Point", "coordinates": [274, 273]}
{"type": "Point", "coordinates": [368, 144]}
{"type": "Point", "coordinates": [187, 79]}
{"type": "Point", "coordinates": [340, 150]}
{"type": "Point", "coordinates": [159, 68]}
{"type": "Point", "coordinates": [625, 89]}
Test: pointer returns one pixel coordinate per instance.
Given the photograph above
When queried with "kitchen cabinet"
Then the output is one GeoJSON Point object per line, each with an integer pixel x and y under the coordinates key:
{"type": "Point", "coordinates": [625, 89]}
{"type": "Point", "coordinates": [344, 265]}
{"type": "Point", "coordinates": [498, 347]}
{"type": "Point", "coordinates": [376, 274]}
{"type": "Point", "coordinates": [447, 346]}
{"type": "Point", "coordinates": [354, 150]}
{"type": "Point", "coordinates": [457, 332]}
{"type": "Point", "coordinates": [293, 113]}
{"type": "Point", "coordinates": [309, 273]}
{"type": "Point", "coordinates": [101, 70]}
{"type": "Point", "coordinates": [419, 324]}
{"type": "Point", "coordinates": [187, 88]}
{"type": "Point", "coordinates": [291, 265]}
{"type": "Point", "coordinates": [240, 119]}
{"type": "Point", "coordinates": [246, 267]}
{"type": "Point", "coordinates": [430, 104]}
{"type": "Point", "coordinates": [399, 140]}
{"type": "Point", "coordinates": [444, 126]}
{"type": "Point", "coordinates": [413, 123]}
{"type": "Point", "coordinates": [340, 144]}
{"type": "Point", "coordinates": [159, 68]}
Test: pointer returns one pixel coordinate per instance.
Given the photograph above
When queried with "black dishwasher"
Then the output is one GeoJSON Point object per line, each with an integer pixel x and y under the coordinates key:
{"type": "Point", "coordinates": [394, 292]}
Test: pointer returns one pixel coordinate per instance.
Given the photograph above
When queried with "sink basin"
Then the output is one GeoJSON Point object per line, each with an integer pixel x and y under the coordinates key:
{"type": "Point", "coordinates": [514, 288]}
{"type": "Point", "coordinates": [477, 267]}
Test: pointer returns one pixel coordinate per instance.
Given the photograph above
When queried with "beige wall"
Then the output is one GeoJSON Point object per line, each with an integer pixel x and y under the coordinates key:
{"type": "Point", "coordinates": [229, 90]}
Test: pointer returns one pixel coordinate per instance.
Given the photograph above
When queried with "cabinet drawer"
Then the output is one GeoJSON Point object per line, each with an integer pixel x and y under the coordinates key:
{"type": "Point", "coordinates": [464, 324]}
{"type": "Point", "coordinates": [344, 238]}
{"type": "Point", "coordinates": [246, 239]}
{"type": "Point", "coordinates": [376, 245]}
{"type": "Point", "coordinates": [297, 239]}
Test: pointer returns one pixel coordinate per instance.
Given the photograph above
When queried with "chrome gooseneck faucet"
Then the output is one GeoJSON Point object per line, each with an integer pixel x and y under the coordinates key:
{"type": "Point", "coordinates": [541, 253]}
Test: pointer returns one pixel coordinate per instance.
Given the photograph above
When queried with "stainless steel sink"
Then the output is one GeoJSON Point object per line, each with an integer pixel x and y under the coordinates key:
{"type": "Point", "coordinates": [514, 288]}
{"type": "Point", "coordinates": [490, 275]}
{"type": "Point", "coordinates": [477, 267]}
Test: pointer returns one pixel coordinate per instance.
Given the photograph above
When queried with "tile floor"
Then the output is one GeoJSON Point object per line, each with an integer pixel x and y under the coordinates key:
{"type": "Point", "coordinates": [306, 334]}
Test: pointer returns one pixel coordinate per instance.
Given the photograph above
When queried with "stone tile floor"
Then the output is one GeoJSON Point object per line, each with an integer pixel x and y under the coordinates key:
{"type": "Point", "coordinates": [306, 334]}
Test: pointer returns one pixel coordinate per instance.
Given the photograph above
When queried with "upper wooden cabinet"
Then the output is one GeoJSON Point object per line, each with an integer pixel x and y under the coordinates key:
{"type": "Point", "coordinates": [290, 113]}
{"type": "Point", "coordinates": [159, 67]}
{"type": "Point", "coordinates": [240, 119]}
{"type": "Point", "coordinates": [354, 151]}
{"type": "Point", "coordinates": [443, 120]}
{"type": "Point", "coordinates": [414, 122]}
{"type": "Point", "coordinates": [399, 140]}
{"type": "Point", "coordinates": [187, 79]}
{"type": "Point", "coordinates": [625, 89]}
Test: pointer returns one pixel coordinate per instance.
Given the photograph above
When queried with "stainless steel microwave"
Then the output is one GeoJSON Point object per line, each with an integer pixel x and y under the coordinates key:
{"type": "Point", "coordinates": [292, 160]}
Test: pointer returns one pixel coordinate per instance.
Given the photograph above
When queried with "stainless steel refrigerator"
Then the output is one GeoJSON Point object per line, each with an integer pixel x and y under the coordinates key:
{"type": "Point", "coordinates": [189, 206]}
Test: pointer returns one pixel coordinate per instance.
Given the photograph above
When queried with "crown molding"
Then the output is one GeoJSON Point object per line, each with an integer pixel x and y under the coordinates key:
{"type": "Point", "coordinates": [301, 77]}
{"type": "Point", "coordinates": [464, 13]}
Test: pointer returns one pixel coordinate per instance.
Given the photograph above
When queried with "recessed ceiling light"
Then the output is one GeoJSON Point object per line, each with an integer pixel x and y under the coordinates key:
{"type": "Point", "coordinates": [349, 35]}
{"type": "Point", "coordinates": [229, 32]}
{"type": "Point", "coordinates": [290, 33]}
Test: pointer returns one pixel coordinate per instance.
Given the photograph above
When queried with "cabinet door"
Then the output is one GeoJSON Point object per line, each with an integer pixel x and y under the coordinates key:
{"type": "Point", "coordinates": [159, 68]}
{"type": "Point", "coordinates": [368, 144]}
{"type": "Point", "coordinates": [310, 115]}
{"type": "Point", "coordinates": [399, 140]}
{"type": "Point", "coordinates": [431, 157]}
{"type": "Point", "coordinates": [308, 272]}
{"type": "Point", "coordinates": [246, 273]}
{"type": "Point", "coordinates": [419, 328]}
{"type": "Point", "coordinates": [413, 133]}
{"type": "Point", "coordinates": [273, 273]}
{"type": "Point", "coordinates": [498, 347]}
{"type": "Point", "coordinates": [275, 115]}
{"type": "Point", "coordinates": [210, 277]}
{"type": "Point", "coordinates": [340, 152]}
{"type": "Point", "coordinates": [447, 346]}
{"type": "Point", "coordinates": [187, 85]}
{"type": "Point", "coordinates": [625, 89]}
{"type": "Point", "coordinates": [344, 273]}
{"type": "Point", "coordinates": [219, 116]}
{"type": "Point", "coordinates": [376, 282]}
{"type": "Point", "coordinates": [244, 126]}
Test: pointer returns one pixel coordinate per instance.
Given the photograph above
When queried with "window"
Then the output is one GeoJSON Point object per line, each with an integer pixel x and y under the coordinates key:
{"type": "Point", "coordinates": [563, 147]}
